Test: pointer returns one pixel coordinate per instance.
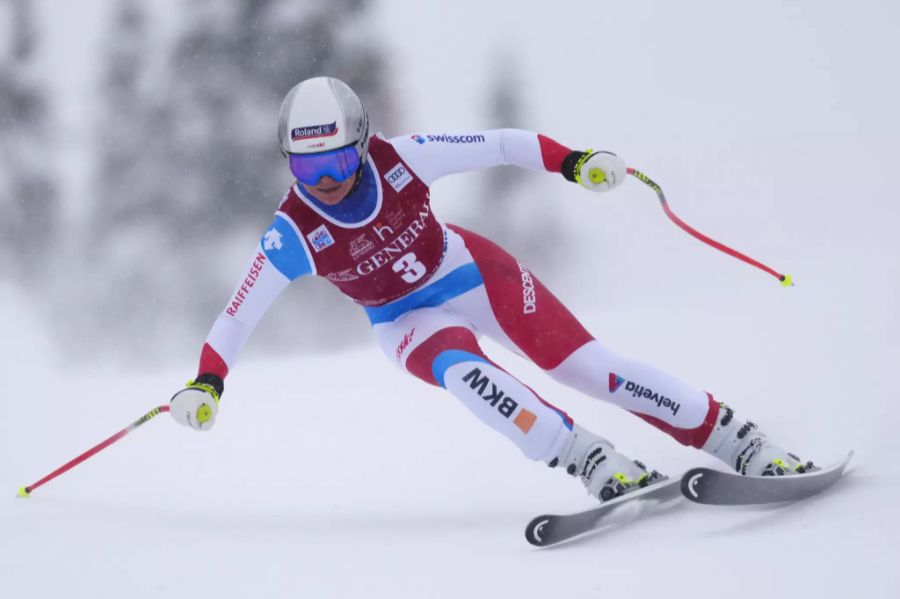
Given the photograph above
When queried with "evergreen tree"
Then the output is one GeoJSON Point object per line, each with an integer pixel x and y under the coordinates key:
{"type": "Point", "coordinates": [509, 211]}
{"type": "Point", "coordinates": [27, 200]}
{"type": "Point", "coordinates": [189, 161]}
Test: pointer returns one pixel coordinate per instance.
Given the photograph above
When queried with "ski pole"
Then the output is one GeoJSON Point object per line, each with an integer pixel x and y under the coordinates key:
{"type": "Point", "coordinates": [785, 279]}
{"type": "Point", "coordinates": [26, 491]}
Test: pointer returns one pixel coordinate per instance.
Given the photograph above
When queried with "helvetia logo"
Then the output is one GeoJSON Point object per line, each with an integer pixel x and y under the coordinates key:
{"type": "Point", "coordinates": [615, 381]}
{"type": "Point", "coordinates": [661, 401]}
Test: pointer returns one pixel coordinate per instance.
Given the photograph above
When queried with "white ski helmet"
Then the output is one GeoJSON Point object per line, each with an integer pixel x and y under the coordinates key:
{"type": "Point", "coordinates": [322, 114]}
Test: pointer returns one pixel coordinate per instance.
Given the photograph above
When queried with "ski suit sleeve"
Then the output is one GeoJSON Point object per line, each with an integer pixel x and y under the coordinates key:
{"type": "Point", "coordinates": [281, 256]}
{"type": "Point", "coordinates": [434, 155]}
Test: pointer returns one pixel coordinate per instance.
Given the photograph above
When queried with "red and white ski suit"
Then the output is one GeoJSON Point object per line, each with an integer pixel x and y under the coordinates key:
{"type": "Point", "coordinates": [430, 290]}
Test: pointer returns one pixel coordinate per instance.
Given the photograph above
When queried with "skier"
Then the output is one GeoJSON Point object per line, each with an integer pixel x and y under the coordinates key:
{"type": "Point", "coordinates": [359, 215]}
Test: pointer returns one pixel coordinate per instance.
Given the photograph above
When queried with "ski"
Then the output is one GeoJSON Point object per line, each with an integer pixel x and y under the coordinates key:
{"type": "Point", "coordinates": [713, 487]}
{"type": "Point", "coordinates": [550, 529]}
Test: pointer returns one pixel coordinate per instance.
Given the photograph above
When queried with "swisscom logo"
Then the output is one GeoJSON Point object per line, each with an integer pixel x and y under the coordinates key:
{"type": "Point", "coordinates": [661, 401]}
{"type": "Point", "coordinates": [448, 139]}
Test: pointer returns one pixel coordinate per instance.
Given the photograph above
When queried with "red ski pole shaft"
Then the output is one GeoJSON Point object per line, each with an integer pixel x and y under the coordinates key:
{"type": "Point", "coordinates": [785, 279]}
{"type": "Point", "coordinates": [26, 491]}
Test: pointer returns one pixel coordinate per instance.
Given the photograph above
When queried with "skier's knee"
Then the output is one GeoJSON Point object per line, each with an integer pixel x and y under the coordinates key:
{"type": "Point", "coordinates": [430, 358]}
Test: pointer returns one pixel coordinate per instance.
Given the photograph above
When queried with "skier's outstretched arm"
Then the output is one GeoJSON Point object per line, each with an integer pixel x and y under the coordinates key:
{"type": "Point", "coordinates": [435, 155]}
{"type": "Point", "coordinates": [280, 257]}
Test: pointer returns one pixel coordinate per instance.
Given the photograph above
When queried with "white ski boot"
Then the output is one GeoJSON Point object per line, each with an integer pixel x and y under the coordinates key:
{"type": "Point", "coordinates": [742, 446]}
{"type": "Point", "coordinates": [604, 472]}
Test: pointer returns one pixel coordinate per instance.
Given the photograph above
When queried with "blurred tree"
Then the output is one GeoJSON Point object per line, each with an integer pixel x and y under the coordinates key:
{"type": "Point", "coordinates": [188, 154]}
{"type": "Point", "coordinates": [503, 185]}
{"type": "Point", "coordinates": [510, 211]}
{"type": "Point", "coordinates": [27, 198]}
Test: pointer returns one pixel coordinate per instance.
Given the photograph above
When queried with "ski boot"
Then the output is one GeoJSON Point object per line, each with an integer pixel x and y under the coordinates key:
{"type": "Point", "coordinates": [742, 446]}
{"type": "Point", "coordinates": [604, 472]}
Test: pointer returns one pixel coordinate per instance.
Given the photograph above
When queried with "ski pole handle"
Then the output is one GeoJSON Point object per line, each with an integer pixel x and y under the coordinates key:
{"type": "Point", "coordinates": [785, 279]}
{"type": "Point", "coordinates": [26, 491]}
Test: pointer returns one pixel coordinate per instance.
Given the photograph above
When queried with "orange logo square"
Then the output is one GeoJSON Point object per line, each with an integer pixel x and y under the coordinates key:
{"type": "Point", "coordinates": [525, 420]}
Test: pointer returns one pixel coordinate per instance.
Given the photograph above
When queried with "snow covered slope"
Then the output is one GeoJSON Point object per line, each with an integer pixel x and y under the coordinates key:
{"type": "Point", "coordinates": [333, 477]}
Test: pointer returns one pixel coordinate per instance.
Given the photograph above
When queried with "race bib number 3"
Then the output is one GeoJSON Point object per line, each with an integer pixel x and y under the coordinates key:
{"type": "Point", "coordinates": [410, 269]}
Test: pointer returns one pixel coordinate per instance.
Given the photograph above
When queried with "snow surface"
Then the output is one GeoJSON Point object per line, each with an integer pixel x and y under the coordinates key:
{"type": "Point", "coordinates": [770, 125]}
{"type": "Point", "coordinates": [335, 477]}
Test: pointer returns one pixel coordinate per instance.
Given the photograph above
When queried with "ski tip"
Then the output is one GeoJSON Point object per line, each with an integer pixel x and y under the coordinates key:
{"type": "Point", "coordinates": [849, 457]}
{"type": "Point", "coordinates": [535, 532]}
{"type": "Point", "coordinates": [841, 465]}
{"type": "Point", "coordinates": [23, 492]}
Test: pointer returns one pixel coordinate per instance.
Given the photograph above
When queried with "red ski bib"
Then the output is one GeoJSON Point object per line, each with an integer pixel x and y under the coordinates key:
{"type": "Point", "coordinates": [391, 251]}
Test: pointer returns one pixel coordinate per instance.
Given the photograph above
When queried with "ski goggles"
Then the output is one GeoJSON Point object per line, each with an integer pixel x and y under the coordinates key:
{"type": "Point", "coordinates": [338, 164]}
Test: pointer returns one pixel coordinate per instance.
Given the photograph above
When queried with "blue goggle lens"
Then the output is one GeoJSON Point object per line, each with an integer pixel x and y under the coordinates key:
{"type": "Point", "coordinates": [338, 164]}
